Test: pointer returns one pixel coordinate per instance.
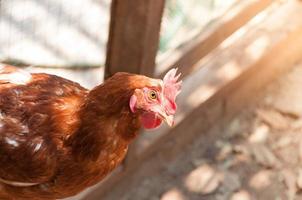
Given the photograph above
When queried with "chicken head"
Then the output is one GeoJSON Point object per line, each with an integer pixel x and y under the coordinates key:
{"type": "Point", "coordinates": [156, 102]}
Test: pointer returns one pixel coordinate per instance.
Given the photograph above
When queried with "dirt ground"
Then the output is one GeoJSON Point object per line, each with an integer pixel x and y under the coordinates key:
{"type": "Point", "coordinates": [255, 156]}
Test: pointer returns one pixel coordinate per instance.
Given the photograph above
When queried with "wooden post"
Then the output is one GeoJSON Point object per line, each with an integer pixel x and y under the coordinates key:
{"type": "Point", "coordinates": [133, 41]}
{"type": "Point", "coordinates": [133, 36]}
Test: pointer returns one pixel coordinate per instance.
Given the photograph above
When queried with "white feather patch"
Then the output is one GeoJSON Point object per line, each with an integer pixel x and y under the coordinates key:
{"type": "Point", "coordinates": [19, 77]}
{"type": "Point", "coordinates": [17, 184]}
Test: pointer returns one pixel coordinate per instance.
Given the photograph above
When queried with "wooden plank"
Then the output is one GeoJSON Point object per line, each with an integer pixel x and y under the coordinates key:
{"type": "Point", "coordinates": [203, 44]}
{"type": "Point", "coordinates": [280, 58]}
{"type": "Point", "coordinates": [133, 41]}
{"type": "Point", "coordinates": [134, 36]}
{"type": "Point", "coordinates": [228, 101]}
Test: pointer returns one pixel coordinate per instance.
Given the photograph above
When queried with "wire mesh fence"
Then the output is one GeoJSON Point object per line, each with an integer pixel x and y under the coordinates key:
{"type": "Point", "coordinates": [54, 32]}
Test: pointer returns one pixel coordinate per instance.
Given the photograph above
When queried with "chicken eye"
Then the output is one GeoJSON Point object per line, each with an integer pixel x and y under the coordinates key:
{"type": "Point", "coordinates": [152, 95]}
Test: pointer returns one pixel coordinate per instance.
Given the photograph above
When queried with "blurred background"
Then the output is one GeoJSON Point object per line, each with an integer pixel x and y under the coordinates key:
{"type": "Point", "coordinates": [238, 132]}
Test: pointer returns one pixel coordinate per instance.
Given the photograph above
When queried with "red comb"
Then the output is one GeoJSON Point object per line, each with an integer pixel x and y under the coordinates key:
{"type": "Point", "coordinates": [172, 88]}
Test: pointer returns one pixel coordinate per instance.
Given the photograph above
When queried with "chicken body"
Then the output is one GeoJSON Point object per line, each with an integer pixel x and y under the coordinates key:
{"type": "Point", "coordinates": [56, 137]}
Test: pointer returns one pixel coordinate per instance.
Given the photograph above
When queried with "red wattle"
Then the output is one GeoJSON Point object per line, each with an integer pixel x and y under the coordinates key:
{"type": "Point", "coordinates": [150, 120]}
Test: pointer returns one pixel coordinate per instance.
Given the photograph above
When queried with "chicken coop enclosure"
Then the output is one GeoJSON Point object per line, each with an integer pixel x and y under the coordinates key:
{"type": "Point", "coordinates": [228, 53]}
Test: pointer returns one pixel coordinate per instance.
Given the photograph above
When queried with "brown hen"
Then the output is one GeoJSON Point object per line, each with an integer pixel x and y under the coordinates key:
{"type": "Point", "coordinates": [57, 138]}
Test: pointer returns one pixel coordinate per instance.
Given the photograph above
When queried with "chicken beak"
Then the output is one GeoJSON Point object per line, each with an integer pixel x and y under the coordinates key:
{"type": "Point", "coordinates": [169, 119]}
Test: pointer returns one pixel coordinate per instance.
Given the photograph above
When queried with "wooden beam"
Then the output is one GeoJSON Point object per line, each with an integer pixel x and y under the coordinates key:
{"type": "Point", "coordinates": [133, 36]}
{"type": "Point", "coordinates": [224, 104]}
{"type": "Point", "coordinates": [133, 41]}
{"type": "Point", "coordinates": [208, 40]}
